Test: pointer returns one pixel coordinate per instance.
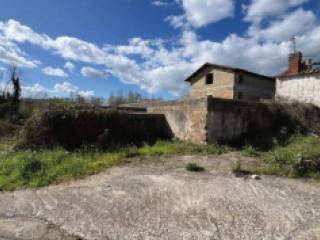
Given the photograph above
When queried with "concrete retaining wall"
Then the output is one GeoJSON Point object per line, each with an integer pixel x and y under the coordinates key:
{"type": "Point", "coordinates": [187, 119]}
{"type": "Point", "coordinates": [211, 119]}
{"type": "Point", "coordinates": [230, 120]}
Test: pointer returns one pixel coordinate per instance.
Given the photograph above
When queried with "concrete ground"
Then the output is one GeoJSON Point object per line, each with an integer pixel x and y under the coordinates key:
{"type": "Point", "coordinates": [158, 199]}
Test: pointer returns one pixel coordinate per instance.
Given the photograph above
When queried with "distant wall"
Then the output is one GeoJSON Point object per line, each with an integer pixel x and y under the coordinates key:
{"type": "Point", "coordinates": [301, 89]}
{"type": "Point", "coordinates": [187, 119]}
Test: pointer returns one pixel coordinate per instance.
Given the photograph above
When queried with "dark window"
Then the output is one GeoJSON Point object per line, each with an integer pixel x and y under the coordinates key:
{"type": "Point", "coordinates": [209, 79]}
{"type": "Point", "coordinates": [240, 95]}
{"type": "Point", "coordinates": [240, 79]}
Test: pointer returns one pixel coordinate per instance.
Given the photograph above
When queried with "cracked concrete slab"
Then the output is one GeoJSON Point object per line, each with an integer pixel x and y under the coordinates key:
{"type": "Point", "coordinates": [158, 199]}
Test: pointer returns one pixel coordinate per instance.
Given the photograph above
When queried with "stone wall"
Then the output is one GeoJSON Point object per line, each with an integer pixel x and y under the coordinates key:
{"type": "Point", "coordinates": [187, 119]}
{"type": "Point", "coordinates": [231, 120]}
{"type": "Point", "coordinates": [222, 87]}
{"type": "Point", "coordinates": [210, 119]}
{"type": "Point", "coordinates": [301, 89]}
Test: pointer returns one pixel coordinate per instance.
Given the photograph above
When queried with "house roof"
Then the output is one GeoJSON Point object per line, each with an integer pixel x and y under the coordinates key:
{"type": "Point", "coordinates": [305, 72]}
{"type": "Point", "coordinates": [224, 67]}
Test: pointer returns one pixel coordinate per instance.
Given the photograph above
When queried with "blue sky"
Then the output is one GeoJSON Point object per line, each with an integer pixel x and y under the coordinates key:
{"type": "Point", "coordinates": [94, 47]}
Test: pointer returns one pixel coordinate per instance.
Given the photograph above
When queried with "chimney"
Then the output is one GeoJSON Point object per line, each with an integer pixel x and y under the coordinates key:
{"type": "Point", "coordinates": [295, 63]}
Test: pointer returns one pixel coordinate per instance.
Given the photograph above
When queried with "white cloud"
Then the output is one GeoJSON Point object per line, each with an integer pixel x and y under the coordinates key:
{"type": "Point", "coordinates": [56, 72]}
{"type": "Point", "coordinates": [200, 13]}
{"type": "Point", "coordinates": [35, 91]}
{"type": "Point", "coordinates": [157, 65]}
{"type": "Point", "coordinates": [86, 94]}
{"type": "Point", "coordinates": [92, 72]}
{"type": "Point", "coordinates": [293, 24]}
{"type": "Point", "coordinates": [10, 54]}
{"type": "Point", "coordinates": [259, 9]}
{"type": "Point", "coordinates": [64, 89]}
{"type": "Point", "coordinates": [178, 21]}
{"type": "Point", "coordinates": [69, 66]}
{"type": "Point", "coordinates": [160, 3]}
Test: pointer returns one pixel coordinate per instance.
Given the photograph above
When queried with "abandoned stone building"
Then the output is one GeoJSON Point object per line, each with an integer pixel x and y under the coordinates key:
{"type": "Point", "coordinates": [301, 82]}
{"type": "Point", "coordinates": [230, 83]}
{"type": "Point", "coordinates": [224, 102]}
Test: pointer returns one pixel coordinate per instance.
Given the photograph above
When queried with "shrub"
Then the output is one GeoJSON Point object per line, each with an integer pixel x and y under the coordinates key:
{"type": "Point", "coordinates": [73, 126]}
{"type": "Point", "coordinates": [299, 158]}
{"type": "Point", "coordinates": [30, 166]}
{"type": "Point", "coordinates": [194, 167]}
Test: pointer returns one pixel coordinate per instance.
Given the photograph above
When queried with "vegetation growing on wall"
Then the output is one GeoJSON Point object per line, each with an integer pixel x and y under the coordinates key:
{"type": "Point", "coordinates": [72, 126]}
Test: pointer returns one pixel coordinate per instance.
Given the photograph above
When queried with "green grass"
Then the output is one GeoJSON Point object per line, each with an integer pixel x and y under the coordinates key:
{"type": "Point", "coordinates": [42, 168]}
{"type": "Point", "coordinates": [299, 158]}
{"type": "Point", "coordinates": [249, 151]}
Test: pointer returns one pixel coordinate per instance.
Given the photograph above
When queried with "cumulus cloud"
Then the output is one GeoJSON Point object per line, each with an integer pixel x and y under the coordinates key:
{"type": "Point", "coordinates": [65, 89]}
{"type": "Point", "coordinates": [289, 25]}
{"type": "Point", "coordinates": [35, 91]}
{"type": "Point", "coordinates": [91, 72]}
{"type": "Point", "coordinates": [200, 13]}
{"type": "Point", "coordinates": [158, 65]}
{"type": "Point", "coordinates": [11, 54]}
{"type": "Point", "coordinates": [56, 72]}
{"type": "Point", "coordinates": [69, 66]}
{"type": "Point", "coordinates": [86, 94]}
{"type": "Point", "coordinates": [259, 9]}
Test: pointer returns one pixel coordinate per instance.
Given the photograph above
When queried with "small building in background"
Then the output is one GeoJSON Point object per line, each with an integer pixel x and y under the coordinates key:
{"type": "Point", "coordinates": [301, 82]}
{"type": "Point", "coordinates": [230, 83]}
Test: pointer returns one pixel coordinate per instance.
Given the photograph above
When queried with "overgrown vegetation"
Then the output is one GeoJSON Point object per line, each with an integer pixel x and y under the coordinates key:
{"type": "Point", "coordinates": [299, 157]}
{"type": "Point", "coordinates": [250, 151]}
{"type": "Point", "coordinates": [41, 168]}
{"type": "Point", "coordinates": [74, 125]}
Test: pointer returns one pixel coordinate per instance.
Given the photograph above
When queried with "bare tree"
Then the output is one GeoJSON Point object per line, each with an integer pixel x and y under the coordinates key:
{"type": "Point", "coordinates": [15, 76]}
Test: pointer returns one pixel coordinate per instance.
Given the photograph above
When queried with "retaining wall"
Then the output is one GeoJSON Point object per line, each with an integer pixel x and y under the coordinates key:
{"type": "Point", "coordinates": [212, 119]}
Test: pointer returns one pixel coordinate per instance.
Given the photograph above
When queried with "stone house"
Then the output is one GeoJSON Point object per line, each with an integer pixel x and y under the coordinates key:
{"type": "Point", "coordinates": [301, 82]}
{"type": "Point", "coordinates": [230, 83]}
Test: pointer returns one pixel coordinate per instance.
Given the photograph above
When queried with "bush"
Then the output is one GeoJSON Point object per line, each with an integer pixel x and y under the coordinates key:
{"type": "Point", "coordinates": [73, 126]}
{"type": "Point", "coordinates": [299, 158]}
{"type": "Point", "coordinates": [194, 167]}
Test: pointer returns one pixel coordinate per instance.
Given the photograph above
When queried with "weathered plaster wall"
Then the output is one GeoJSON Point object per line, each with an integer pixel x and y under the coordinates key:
{"type": "Point", "coordinates": [301, 89]}
{"type": "Point", "coordinates": [254, 88]}
{"type": "Point", "coordinates": [187, 119]}
{"type": "Point", "coordinates": [210, 119]}
{"type": "Point", "coordinates": [229, 120]}
{"type": "Point", "coordinates": [222, 87]}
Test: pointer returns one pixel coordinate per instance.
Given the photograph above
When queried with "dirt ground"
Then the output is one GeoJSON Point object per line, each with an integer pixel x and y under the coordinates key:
{"type": "Point", "coordinates": [157, 198]}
